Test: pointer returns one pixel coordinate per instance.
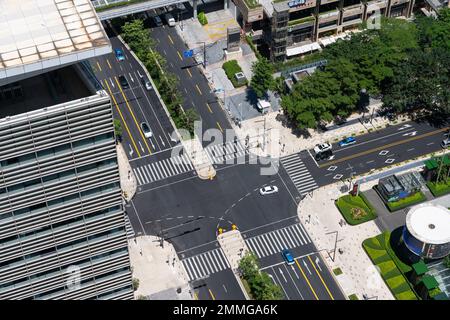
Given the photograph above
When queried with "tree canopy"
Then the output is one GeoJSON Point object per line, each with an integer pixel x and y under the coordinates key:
{"type": "Point", "coordinates": [390, 61]}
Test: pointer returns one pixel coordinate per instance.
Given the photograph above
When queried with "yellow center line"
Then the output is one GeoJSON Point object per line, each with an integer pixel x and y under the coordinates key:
{"type": "Point", "coordinates": [219, 127]}
{"type": "Point", "coordinates": [189, 71]}
{"type": "Point", "coordinates": [307, 281]}
{"type": "Point", "coordinates": [121, 116]}
{"type": "Point", "coordinates": [170, 38]}
{"type": "Point", "coordinates": [209, 107]}
{"type": "Point", "coordinates": [212, 296]}
{"type": "Point", "coordinates": [321, 279]}
{"type": "Point", "coordinates": [198, 89]}
{"type": "Point", "coordinates": [132, 114]}
{"type": "Point", "coordinates": [100, 68]}
{"type": "Point", "coordinates": [109, 64]}
{"type": "Point", "coordinates": [179, 55]}
{"type": "Point", "coordinates": [356, 155]}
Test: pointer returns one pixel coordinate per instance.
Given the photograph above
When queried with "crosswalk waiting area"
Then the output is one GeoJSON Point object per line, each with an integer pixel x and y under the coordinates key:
{"type": "Point", "coordinates": [274, 242]}
{"type": "Point", "coordinates": [299, 174]}
{"type": "Point", "coordinates": [206, 263]}
{"type": "Point", "coordinates": [162, 169]}
{"type": "Point", "coordinates": [223, 153]}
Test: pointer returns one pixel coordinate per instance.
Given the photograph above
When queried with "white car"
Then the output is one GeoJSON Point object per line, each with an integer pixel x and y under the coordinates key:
{"type": "Point", "coordinates": [148, 86]}
{"type": "Point", "coordinates": [146, 130]}
{"type": "Point", "coordinates": [268, 190]}
{"type": "Point", "coordinates": [322, 147]}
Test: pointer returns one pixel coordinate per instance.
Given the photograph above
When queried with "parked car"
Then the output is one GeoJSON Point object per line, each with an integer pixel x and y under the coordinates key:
{"type": "Point", "coordinates": [347, 141]}
{"type": "Point", "coordinates": [119, 54]}
{"type": "Point", "coordinates": [268, 190]}
{"type": "Point", "coordinates": [170, 20]}
{"type": "Point", "coordinates": [157, 21]}
{"type": "Point", "coordinates": [146, 130]}
{"type": "Point", "coordinates": [326, 155]}
{"type": "Point", "coordinates": [123, 82]}
{"type": "Point", "coordinates": [287, 256]}
{"type": "Point", "coordinates": [322, 147]}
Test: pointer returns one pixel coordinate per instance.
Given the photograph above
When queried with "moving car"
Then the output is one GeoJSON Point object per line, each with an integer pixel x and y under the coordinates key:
{"type": "Point", "coordinates": [146, 83]}
{"type": "Point", "coordinates": [347, 141]}
{"type": "Point", "coordinates": [170, 20]}
{"type": "Point", "coordinates": [119, 54]}
{"type": "Point", "coordinates": [322, 147]}
{"type": "Point", "coordinates": [445, 143]}
{"type": "Point", "coordinates": [123, 82]}
{"type": "Point", "coordinates": [146, 130]}
{"type": "Point", "coordinates": [268, 190]}
{"type": "Point", "coordinates": [287, 257]}
{"type": "Point", "coordinates": [157, 21]}
{"type": "Point", "coordinates": [326, 155]}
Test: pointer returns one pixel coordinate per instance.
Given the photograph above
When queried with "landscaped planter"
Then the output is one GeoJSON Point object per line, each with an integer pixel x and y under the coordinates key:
{"type": "Point", "coordinates": [439, 189]}
{"type": "Point", "coordinates": [355, 209]}
{"type": "Point", "coordinates": [414, 199]}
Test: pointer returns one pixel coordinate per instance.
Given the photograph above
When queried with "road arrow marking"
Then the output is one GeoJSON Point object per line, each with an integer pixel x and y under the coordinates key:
{"type": "Point", "coordinates": [317, 260]}
{"type": "Point", "coordinates": [131, 77]}
{"type": "Point", "coordinates": [293, 269]}
{"type": "Point", "coordinates": [162, 141]}
{"type": "Point", "coordinates": [152, 144]}
{"type": "Point", "coordinates": [112, 83]}
{"type": "Point", "coordinates": [271, 277]}
{"type": "Point", "coordinates": [131, 150]}
{"type": "Point", "coordinates": [281, 272]}
{"type": "Point", "coordinates": [140, 75]}
{"type": "Point", "coordinates": [412, 134]}
{"type": "Point", "coordinates": [306, 266]}
{"type": "Point", "coordinates": [142, 148]}
{"type": "Point", "coordinates": [405, 126]}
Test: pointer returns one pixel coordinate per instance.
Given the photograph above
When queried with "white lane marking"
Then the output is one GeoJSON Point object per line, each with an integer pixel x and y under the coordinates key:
{"type": "Point", "coordinates": [142, 148]}
{"type": "Point", "coordinates": [131, 77]}
{"type": "Point", "coordinates": [131, 150]}
{"type": "Point", "coordinates": [163, 143]}
{"type": "Point", "coordinates": [306, 266]}
{"type": "Point", "coordinates": [281, 272]}
{"type": "Point", "coordinates": [112, 83]}
{"type": "Point", "coordinates": [316, 261]}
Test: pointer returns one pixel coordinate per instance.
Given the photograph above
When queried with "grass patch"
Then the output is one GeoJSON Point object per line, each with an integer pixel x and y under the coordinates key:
{"type": "Point", "coordinates": [231, 68]}
{"type": "Point", "coordinates": [355, 209]}
{"type": "Point", "coordinates": [353, 297]}
{"type": "Point", "coordinates": [440, 188]}
{"type": "Point", "coordinates": [391, 268]}
{"type": "Point", "coordinates": [406, 202]}
{"type": "Point", "coordinates": [337, 271]}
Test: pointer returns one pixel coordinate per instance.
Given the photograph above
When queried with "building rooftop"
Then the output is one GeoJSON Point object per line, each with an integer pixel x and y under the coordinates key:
{"type": "Point", "coordinates": [429, 223]}
{"type": "Point", "coordinates": [40, 34]}
{"type": "Point", "coordinates": [44, 90]}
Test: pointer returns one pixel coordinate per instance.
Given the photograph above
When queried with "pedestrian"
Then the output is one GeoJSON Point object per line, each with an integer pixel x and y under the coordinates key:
{"type": "Point", "coordinates": [129, 172]}
{"type": "Point", "coordinates": [140, 251]}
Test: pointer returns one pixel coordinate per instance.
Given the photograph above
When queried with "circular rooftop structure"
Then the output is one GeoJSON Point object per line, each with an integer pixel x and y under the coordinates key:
{"type": "Point", "coordinates": [427, 230]}
{"type": "Point", "coordinates": [429, 223]}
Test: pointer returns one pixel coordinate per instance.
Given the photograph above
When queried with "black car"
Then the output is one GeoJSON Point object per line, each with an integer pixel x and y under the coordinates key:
{"type": "Point", "coordinates": [123, 82]}
{"type": "Point", "coordinates": [157, 21]}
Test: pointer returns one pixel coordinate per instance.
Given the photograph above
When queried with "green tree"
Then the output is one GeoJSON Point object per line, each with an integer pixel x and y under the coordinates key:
{"type": "Point", "coordinates": [262, 78]}
{"type": "Point", "coordinates": [263, 288]}
{"type": "Point", "coordinates": [249, 265]}
{"type": "Point", "coordinates": [118, 129]}
{"type": "Point", "coordinates": [434, 33]}
{"type": "Point", "coordinates": [137, 37]}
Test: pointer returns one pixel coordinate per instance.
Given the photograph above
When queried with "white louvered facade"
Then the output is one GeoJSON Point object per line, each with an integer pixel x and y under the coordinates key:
{"type": "Point", "coordinates": [61, 205]}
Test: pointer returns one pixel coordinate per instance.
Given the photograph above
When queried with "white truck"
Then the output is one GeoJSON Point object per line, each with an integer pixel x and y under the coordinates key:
{"type": "Point", "coordinates": [263, 106]}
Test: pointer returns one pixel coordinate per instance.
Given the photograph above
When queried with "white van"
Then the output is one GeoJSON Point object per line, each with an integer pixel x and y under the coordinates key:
{"type": "Point", "coordinates": [170, 20]}
{"type": "Point", "coordinates": [263, 106]}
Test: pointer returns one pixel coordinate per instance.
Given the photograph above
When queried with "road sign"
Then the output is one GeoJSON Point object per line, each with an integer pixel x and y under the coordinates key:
{"type": "Point", "coordinates": [188, 53]}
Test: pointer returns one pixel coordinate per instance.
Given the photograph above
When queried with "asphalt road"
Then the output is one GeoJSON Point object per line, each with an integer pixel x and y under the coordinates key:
{"type": "Point", "coordinates": [133, 105]}
{"type": "Point", "coordinates": [218, 286]}
{"type": "Point", "coordinates": [193, 85]}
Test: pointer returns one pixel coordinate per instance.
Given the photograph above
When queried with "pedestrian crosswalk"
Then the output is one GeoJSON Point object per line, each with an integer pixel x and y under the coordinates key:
{"type": "Point", "coordinates": [204, 264]}
{"type": "Point", "coordinates": [274, 242]}
{"type": "Point", "coordinates": [299, 174]}
{"type": "Point", "coordinates": [162, 169]}
{"type": "Point", "coordinates": [223, 153]}
{"type": "Point", "coordinates": [129, 228]}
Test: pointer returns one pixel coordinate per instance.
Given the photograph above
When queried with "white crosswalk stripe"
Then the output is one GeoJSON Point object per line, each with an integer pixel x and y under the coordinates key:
{"type": "Point", "coordinates": [274, 242]}
{"type": "Point", "coordinates": [299, 174]}
{"type": "Point", "coordinates": [129, 228]}
{"type": "Point", "coordinates": [162, 169]}
{"type": "Point", "coordinates": [219, 154]}
{"type": "Point", "coordinates": [206, 263]}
